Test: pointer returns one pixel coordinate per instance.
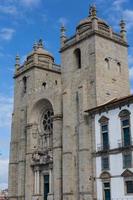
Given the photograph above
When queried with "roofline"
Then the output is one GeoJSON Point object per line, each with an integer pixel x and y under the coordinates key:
{"type": "Point", "coordinates": [112, 104]}
{"type": "Point", "coordinates": [88, 35]}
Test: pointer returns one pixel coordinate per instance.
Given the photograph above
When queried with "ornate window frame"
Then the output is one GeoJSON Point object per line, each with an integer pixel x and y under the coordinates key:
{"type": "Point", "coordinates": [127, 176]}
{"type": "Point", "coordinates": [103, 122]}
{"type": "Point", "coordinates": [106, 178]}
{"type": "Point", "coordinates": [125, 115]}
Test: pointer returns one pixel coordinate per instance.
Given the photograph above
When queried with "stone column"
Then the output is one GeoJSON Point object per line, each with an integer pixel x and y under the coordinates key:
{"type": "Point", "coordinates": [29, 182]}
{"type": "Point", "coordinates": [57, 157]}
{"type": "Point", "coordinates": [13, 163]}
{"type": "Point", "coordinates": [21, 155]}
{"type": "Point", "coordinates": [36, 181]}
{"type": "Point", "coordinates": [84, 150]}
{"type": "Point", "coordinates": [68, 166]}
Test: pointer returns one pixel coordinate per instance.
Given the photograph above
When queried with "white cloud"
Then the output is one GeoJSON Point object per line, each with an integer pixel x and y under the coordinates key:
{"type": "Point", "coordinates": [131, 73]}
{"type": "Point", "coordinates": [6, 33]}
{"type": "Point", "coordinates": [130, 60]}
{"type": "Point", "coordinates": [63, 20]}
{"type": "Point", "coordinates": [128, 16]}
{"type": "Point", "coordinates": [6, 104]}
{"type": "Point", "coordinates": [8, 10]}
{"type": "Point", "coordinates": [117, 4]}
{"type": "Point", "coordinates": [30, 3]}
{"type": "Point", "coordinates": [3, 173]}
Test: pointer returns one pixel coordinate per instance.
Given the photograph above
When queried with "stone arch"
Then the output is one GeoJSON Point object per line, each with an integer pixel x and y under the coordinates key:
{"type": "Point", "coordinates": [77, 55]}
{"type": "Point", "coordinates": [38, 108]}
{"type": "Point", "coordinates": [41, 119]}
{"type": "Point", "coordinates": [38, 111]}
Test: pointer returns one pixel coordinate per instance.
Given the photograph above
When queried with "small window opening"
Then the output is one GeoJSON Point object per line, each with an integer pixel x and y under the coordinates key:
{"type": "Point", "coordinates": [119, 66]}
{"type": "Point", "coordinates": [105, 163]}
{"type": "Point", "coordinates": [129, 186]}
{"type": "Point", "coordinates": [107, 62]}
{"type": "Point", "coordinates": [56, 82]}
{"type": "Point", "coordinates": [77, 53]}
{"type": "Point", "coordinates": [44, 84]}
{"type": "Point", "coordinates": [24, 84]}
{"type": "Point", "coordinates": [127, 160]}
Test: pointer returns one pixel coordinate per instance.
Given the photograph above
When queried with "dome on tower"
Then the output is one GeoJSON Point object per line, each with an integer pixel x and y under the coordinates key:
{"type": "Point", "coordinates": [87, 22]}
{"type": "Point", "coordinates": [38, 49]}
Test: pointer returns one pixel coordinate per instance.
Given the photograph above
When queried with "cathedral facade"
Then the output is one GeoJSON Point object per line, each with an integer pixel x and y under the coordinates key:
{"type": "Point", "coordinates": [51, 142]}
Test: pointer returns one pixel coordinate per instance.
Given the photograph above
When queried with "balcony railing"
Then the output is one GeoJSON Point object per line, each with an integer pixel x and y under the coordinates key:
{"type": "Point", "coordinates": [122, 144]}
{"type": "Point", "coordinates": [101, 147]}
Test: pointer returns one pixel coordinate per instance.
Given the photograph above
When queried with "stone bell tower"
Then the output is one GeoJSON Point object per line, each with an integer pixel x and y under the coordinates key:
{"type": "Point", "coordinates": [52, 144]}
{"type": "Point", "coordinates": [35, 152]}
{"type": "Point", "coordinates": [94, 71]}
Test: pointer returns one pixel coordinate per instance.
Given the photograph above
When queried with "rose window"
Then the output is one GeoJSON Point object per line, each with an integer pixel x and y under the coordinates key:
{"type": "Point", "coordinates": [47, 121]}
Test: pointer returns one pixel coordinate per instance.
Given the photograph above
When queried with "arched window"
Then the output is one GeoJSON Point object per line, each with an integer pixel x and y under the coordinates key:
{"type": "Point", "coordinates": [47, 127]}
{"type": "Point", "coordinates": [77, 54]}
{"type": "Point", "coordinates": [24, 84]}
{"type": "Point", "coordinates": [125, 127]}
{"type": "Point", "coordinates": [104, 132]}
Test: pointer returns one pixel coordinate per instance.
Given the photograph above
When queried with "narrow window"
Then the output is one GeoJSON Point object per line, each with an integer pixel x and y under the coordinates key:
{"type": "Point", "coordinates": [77, 54]}
{"type": "Point", "coordinates": [129, 186]}
{"type": "Point", "coordinates": [125, 127]}
{"type": "Point", "coordinates": [46, 186]}
{"type": "Point", "coordinates": [104, 133]}
{"type": "Point", "coordinates": [107, 63]}
{"type": "Point", "coordinates": [44, 84]}
{"type": "Point", "coordinates": [24, 84]}
{"type": "Point", "coordinates": [127, 160]}
{"type": "Point", "coordinates": [119, 66]}
{"type": "Point", "coordinates": [105, 163]}
{"type": "Point", "coordinates": [106, 191]}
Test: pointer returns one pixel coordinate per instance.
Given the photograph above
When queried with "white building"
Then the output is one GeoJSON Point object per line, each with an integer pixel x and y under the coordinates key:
{"type": "Point", "coordinates": [113, 149]}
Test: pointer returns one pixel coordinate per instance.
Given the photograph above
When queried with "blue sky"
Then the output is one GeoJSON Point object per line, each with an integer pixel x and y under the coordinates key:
{"type": "Point", "coordinates": [22, 22]}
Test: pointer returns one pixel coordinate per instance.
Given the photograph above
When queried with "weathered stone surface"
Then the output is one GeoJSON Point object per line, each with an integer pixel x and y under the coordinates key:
{"type": "Point", "coordinates": [68, 92]}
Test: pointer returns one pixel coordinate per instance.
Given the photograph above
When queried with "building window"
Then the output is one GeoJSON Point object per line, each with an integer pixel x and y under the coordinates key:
{"type": "Point", "coordinates": [106, 191]}
{"type": "Point", "coordinates": [129, 186]}
{"type": "Point", "coordinates": [77, 54]}
{"type": "Point", "coordinates": [104, 132]}
{"type": "Point", "coordinates": [119, 66]}
{"type": "Point", "coordinates": [127, 160]}
{"type": "Point", "coordinates": [46, 186]}
{"type": "Point", "coordinates": [44, 84]}
{"type": "Point", "coordinates": [24, 84]}
{"type": "Point", "coordinates": [47, 121]}
{"type": "Point", "coordinates": [105, 163]}
{"type": "Point", "coordinates": [107, 62]}
{"type": "Point", "coordinates": [125, 127]}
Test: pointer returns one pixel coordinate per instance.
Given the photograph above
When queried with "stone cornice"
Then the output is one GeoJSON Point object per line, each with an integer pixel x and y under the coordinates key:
{"type": "Point", "coordinates": [24, 69]}
{"type": "Point", "coordinates": [73, 41]}
{"type": "Point", "coordinates": [113, 151]}
{"type": "Point", "coordinates": [115, 103]}
{"type": "Point", "coordinates": [57, 117]}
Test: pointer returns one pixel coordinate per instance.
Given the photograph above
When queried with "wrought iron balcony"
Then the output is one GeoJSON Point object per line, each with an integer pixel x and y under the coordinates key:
{"type": "Point", "coordinates": [101, 147]}
{"type": "Point", "coordinates": [125, 144]}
